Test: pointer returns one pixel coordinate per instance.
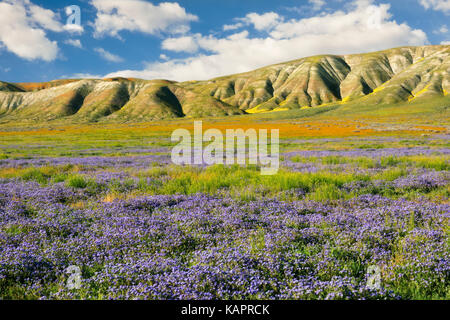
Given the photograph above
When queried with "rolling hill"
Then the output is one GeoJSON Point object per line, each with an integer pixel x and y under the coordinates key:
{"type": "Point", "coordinates": [406, 75]}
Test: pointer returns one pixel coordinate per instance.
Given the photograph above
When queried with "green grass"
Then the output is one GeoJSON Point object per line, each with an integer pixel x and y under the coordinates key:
{"type": "Point", "coordinates": [434, 108]}
{"type": "Point", "coordinates": [76, 181]}
{"type": "Point", "coordinates": [245, 183]}
{"type": "Point", "coordinates": [436, 162]}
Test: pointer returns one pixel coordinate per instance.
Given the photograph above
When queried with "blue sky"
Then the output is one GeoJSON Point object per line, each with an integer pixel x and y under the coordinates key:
{"type": "Point", "coordinates": [201, 39]}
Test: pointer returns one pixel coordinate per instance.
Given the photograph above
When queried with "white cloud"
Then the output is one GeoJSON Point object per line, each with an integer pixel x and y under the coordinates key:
{"type": "Point", "coordinates": [73, 28]}
{"type": "Point", "coordinates": [442, 30]}
{"type": "Point", "coordinates": [438, 5]}
{"type": "Point", "coordinates": [235, 26]}
{"type": "Point", "coordinates": [108, 55]}
{"type": "Point", "coordinates": [364, 18]}
{"type": "Point", "coordinates": [445, 43]}
{"type": "Point", "coordinates": [181, 44]}
{"type": "Point", "coordinates": [114, 16]}
{"type": "Point", "coordinates": [23, 30]}
{"type": "Point", "coordinates": [260, 22]}
{"type": "Point", "coordinates": [44, 17]}
{"type": "Point", "coordinates": [264, 21]}
{"type": "Point", "coordinates": [341, 32]}
{"type": "Point", "coordinates": [82, 76]}
{"type": "Point", "coordinates": [317, 4]}
{"type": "Point", "coordinates": [74, 43]}
{"type": "Point", "coordinates": [238, 36]}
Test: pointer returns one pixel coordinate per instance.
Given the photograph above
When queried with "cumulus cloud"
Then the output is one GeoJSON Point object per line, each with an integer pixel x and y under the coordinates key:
{"type": "Point", "coordinates": [438, 5]}
{"type": "Point", "coordinates": [228, 27]}
{"type": "Point", "coordinates": [341, 32]}
{"type": "Point", "coordinates": [445, 42]}
{"type": "Point", "coordinates": [263, 21]}
{"type": "Point", "coordinates": [114, 16]}
{"type": "Point", "coordinates": [162, 56]}
{"type": "Point", "coordinates": [23, 30]}
{"type": "Point", "coordinates": [260, 22]}
{"type": "Point", "coordinates": [74, 42]}
{"type": "Point", "coordinates": [44, 17]}
{"type": "Point", "coordinates": [181, 44]}
{"type": "Point", "coordinates": [317, 4]}
{"type": "Point", "coordinates": [442, 30]}
{"type": "Point", "coordinates": [108, 55]}
{"type": "Point", "coordinates": [74, 28]}
{"type": "Point", "coordinates": [82, 76]}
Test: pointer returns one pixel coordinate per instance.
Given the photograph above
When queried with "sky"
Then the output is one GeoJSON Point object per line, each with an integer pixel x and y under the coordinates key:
{"type": "Point", "coordinates": [43, 40]}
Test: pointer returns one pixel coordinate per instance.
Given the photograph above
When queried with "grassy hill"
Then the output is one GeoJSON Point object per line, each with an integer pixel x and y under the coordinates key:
{"type": "Point", "coordinates": [407, 80]}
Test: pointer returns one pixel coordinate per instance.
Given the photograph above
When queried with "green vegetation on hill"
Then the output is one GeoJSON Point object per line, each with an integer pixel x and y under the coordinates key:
{"type": "Point", "coordinates": [415, 79]}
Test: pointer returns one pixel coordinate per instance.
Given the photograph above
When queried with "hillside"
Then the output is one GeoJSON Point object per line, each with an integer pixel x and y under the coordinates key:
{"type": "Point", "coordinates": [406, 75]}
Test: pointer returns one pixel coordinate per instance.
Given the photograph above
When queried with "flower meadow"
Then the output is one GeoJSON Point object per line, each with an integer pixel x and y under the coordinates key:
{"type": "Point", "coordinates": [139, 227]}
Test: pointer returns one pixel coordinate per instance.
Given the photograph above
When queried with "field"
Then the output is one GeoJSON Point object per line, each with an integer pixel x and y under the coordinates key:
{"type": "Point", "coordinates": [351, 194]}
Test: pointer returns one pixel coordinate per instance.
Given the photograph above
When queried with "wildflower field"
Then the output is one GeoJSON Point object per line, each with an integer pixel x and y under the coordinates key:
{"type": "Point", "coordinates": [108, 200]}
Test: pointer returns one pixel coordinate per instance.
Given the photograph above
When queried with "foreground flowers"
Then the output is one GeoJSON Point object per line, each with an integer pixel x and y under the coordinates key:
{"type": "Point", "coordinates": [210, 247]}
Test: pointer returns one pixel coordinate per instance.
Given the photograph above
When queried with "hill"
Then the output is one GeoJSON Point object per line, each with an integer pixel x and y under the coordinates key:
{"type": "Point", "coordinates": [401, 76]}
